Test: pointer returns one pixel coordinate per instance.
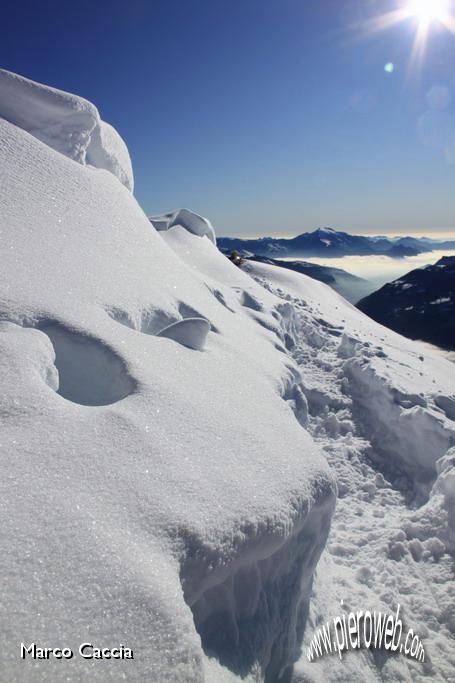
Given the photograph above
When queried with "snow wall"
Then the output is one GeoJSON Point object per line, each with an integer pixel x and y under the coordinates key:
{"type": "Point", "coordinates": [157, 487]}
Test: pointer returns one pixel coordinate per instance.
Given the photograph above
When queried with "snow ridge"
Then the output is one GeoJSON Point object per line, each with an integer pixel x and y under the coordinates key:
{"type": "Point", "coordinates": [144, 482]}
{"type": "Point", "coordinates": [65, 122]}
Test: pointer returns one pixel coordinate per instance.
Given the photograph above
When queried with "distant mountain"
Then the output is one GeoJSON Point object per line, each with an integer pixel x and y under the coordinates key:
{"type": "Point", "coordinates": [326, 242]}
{"type": "Point", "coordinates": [424, 243]}
{"type": "Point", "coordinates": [402, 251]}
{"type": "Point", "coordinates": [420, 305]}
{"type": "Point", "coordinates": [350, 286]}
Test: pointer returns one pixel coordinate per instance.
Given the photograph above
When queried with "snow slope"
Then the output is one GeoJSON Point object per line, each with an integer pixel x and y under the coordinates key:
{"type": "Point", "coordinates": [157, 489]}
{"type": "Point", "coordinates": [383, 410]}
{"type": "Point", "coordinates": [349, 286]}
{"type": "Point", "coordinates": [172, 428]}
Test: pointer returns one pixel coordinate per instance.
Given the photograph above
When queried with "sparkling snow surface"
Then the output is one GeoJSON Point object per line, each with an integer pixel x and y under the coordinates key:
{"type": "Point", "coordinates": [152, 494]}
{"type": "Point", "coordinates": [171, 429]}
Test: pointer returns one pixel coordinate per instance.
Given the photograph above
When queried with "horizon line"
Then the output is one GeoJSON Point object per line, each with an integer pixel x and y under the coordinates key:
{"type": "Point", "coordinates": [430, 234]}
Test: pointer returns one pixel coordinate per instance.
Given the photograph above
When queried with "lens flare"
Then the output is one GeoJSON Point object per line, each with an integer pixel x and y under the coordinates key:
{"type": "Point", "coordinates": [426, 14]}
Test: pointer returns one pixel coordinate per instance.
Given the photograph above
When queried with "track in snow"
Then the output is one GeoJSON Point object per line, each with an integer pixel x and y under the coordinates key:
{"type": "Point", "coordinates": [372, 560]}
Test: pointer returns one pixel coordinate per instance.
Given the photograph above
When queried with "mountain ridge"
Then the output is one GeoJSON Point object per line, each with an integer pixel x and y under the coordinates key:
{"type": "Point", "coordinates": [419, 305]}
{"type": "Point", "coordinates": [327, 242]}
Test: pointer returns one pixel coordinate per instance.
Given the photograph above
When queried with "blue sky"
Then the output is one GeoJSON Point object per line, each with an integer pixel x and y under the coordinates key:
{"type": "Point", "coordinates": [268, 116]}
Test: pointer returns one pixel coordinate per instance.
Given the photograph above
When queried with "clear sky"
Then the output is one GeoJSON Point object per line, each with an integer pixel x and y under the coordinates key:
{"type": "Point", "coordinates": [268, 116]}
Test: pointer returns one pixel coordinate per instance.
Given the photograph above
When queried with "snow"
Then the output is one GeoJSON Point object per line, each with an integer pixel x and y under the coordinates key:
{"type": "Point", "coordinates": [175, 432]}
{"type": "Point", "coordinates": [147, 488]}
{"type": "Point", "coordinates": [107, 150]}
{"type": "Point", "coordinates": [65, 122]}
{"type": "Point", "coordinates": [383, 410]}
{"type": "Point", "coordinates": [191, 332]}
{"type": "Point", "coordinates": [441, 300]}
{"type": "Point", "coordinates": [195, 224]}
{"type": "Point", "coordinates": [445, 484]}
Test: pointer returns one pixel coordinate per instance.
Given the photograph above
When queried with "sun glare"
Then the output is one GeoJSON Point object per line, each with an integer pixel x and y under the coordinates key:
{"type": "Point", "coordinates": [427, 11]}
{"type": "Point", "coordinates": [426, 15]}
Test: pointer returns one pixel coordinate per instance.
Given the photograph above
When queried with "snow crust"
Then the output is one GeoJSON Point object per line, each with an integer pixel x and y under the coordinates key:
{"type": "Point", "coordinates": [195, 224]}
{"type": "Point", "coordinates": [65, 122]}
{"type": "Point", "coordinates": [146, 486]}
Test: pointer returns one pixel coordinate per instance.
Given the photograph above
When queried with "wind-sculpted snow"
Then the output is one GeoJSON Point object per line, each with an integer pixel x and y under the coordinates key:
{"type": "Point", "coordinates": [65, 122]}
{"type": "Point", "coordinates": [191, 332]}
{"type": "Point", "coordinates": [89, 373]}
{"type": "Point", "coordinates": [195, 224]}
{"type": "Point", "coordinates": [107, 150]}
{"type": "Point", "coordinates": [141, 479]}
{"type": "Point", "coordinates": [381, 407]}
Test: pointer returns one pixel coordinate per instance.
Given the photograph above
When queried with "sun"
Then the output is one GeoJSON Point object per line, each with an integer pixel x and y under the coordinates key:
{"type": "Point", "coordinates": [426, 15]}
{"type": "Point", "coordinates": [428, 11]}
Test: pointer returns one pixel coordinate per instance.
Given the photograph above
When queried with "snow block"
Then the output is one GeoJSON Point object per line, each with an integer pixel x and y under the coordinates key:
{"type": "Point", "coordinates": [400, 428]}
{"type": "Point", "coordinates": [238, 607]}
{"type": "Point", "coordinates": [69, 124]}
{"type": "Point", "coordinates": [197, 225]}
{"type": "Point", "coordinates": [190, 332]}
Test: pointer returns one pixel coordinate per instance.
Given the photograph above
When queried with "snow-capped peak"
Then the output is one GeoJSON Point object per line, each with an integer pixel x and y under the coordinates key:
{"type": "Point", "coordinates": [328, 231]}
